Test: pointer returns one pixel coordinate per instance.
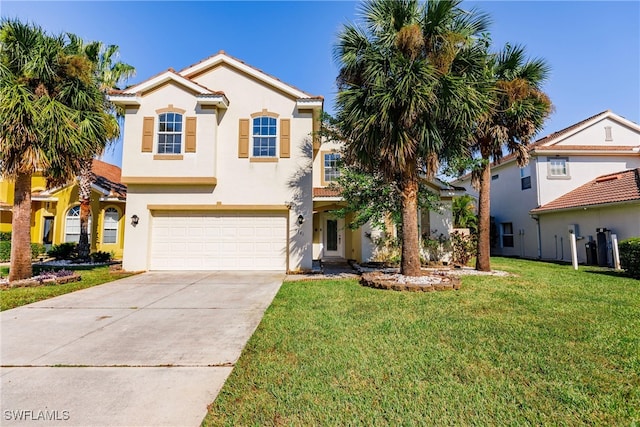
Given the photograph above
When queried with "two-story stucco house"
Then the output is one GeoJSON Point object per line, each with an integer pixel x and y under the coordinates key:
{"type": "Point", "coordinates": [535, 207]}
{"type": "Point", "coordinates": [217, 160]}
{"type": "Point", "coordinates": [226, 171]}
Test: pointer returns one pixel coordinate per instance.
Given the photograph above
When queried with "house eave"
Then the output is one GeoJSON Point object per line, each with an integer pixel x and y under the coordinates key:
{"type": "Point", "coordinates": [584, 207]}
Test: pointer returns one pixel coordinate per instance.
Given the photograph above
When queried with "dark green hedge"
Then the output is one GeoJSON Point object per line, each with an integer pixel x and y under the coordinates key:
{"type": "Point", "coordinates": [630, 256]}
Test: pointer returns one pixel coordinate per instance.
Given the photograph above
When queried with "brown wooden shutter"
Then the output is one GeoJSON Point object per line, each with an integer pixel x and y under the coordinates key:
{"type": "Point", "coordinates": [243, 139]}
{"type": "Point", "coordinates": [190, 135]}
{"type": "Point", "coordinates": [147, 135]}
{"type": "Point", "coordinates": [285, 138]}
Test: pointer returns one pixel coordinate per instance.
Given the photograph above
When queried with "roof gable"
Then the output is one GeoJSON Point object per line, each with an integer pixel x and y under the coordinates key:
{"type": "Point", "coordinates": [616, 187]}
{"type": "Point", "coordinates": [221, 58]}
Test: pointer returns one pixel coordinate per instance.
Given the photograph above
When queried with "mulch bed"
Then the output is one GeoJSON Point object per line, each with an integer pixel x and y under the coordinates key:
{"type": "Point", "coordinates": [435, 282]}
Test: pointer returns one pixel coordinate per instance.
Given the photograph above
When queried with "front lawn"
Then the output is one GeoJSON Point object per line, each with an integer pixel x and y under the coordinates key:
{"type": "Point", "coordinates": [549, 347]}
{"type": "Point", "coordinates": [15, 297]}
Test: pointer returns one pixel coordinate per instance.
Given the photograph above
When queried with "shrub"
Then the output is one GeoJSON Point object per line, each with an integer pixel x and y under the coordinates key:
{"type": "Point", "coordinates": [37, 249]}
{"type": "Point", "coordinates": [630, 256]}
{"type": "Point", "coordinates": [5, 236]}
{"type": "Point", "coordinates": [64, 251]}
{"type": "Point", "coordinates": [386, 250]}
{"type": "Point", "coordinates": [5, 250]}
{"type": "Point", "coordinates": [435, 248]}
{"type": "Point", "coordinates": [464, 247]}
{"type": "Point", "coordinates": [101, 256]}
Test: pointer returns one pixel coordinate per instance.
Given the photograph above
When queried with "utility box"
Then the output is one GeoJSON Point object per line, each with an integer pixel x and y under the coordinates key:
{"type": "Point", "coordinates": [592, 253]}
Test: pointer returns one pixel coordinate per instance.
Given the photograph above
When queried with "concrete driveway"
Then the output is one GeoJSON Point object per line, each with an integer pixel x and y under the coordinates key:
{"type": "Point", "coordinates": [148, 350]}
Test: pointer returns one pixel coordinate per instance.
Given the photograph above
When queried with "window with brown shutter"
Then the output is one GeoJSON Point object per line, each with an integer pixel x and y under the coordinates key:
{"type": "Point", "coordinates": [285, 138]}
{"type": "Point", "coordinates": [147, 135]}
{"type": "Point", "coordinates": [243, 138]}
{"type": "Point", "coordinates": [190, 135]}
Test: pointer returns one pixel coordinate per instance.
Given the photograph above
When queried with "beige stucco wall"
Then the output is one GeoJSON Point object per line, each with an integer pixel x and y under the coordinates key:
{"type": "Point", "coordinates": [239, 181]}
{"type": "Point", "coordinates": [623, 220]}
{"type": "Point", "coordinates": [595, 135]}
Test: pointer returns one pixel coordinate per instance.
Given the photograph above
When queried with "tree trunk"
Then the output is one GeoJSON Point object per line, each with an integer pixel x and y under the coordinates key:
{"type": "Point", "coordinates": [410, 261]}
{"type": "Point", "coordinates": [20, 267]}
{"type": "Point", "coordinates": [483, 262]}
{"type": "Point", "coordinates": [84, 194]}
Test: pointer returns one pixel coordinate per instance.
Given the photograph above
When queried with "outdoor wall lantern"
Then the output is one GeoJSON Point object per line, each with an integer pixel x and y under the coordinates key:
{"type": "Point", "coordinates": [300, 219]}
{"type": "Point", "coordinates": [134, 220]}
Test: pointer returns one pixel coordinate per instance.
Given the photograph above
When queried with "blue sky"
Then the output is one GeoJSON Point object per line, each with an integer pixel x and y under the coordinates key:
{"type": "Point", "coordinates": [593, 47]}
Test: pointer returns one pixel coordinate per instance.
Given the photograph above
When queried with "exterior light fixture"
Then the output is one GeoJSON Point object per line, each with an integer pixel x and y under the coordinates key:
{"type": "Point", "coordinates": [300, 219]}
{"type": "Point", "coordinates": [135, 220]}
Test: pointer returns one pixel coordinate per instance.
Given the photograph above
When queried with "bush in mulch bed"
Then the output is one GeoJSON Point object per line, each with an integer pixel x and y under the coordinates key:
{"type": "Point", "coordinates": [52, 277]}
{"type": "Point", "coordinates": [426, 283]}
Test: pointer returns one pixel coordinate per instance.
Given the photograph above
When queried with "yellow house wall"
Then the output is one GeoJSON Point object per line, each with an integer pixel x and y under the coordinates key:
{"type": "Point", "coordinates": [67, 197]}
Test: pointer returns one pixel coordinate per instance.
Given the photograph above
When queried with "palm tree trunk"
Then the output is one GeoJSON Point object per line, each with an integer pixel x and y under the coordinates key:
{"type": "Point", "coordinates": [20, 267]}
{"type": "Point", "coordinates": [84, 190]}
{"type": "Point", "coordinates": [483, 262]}
{"type": "Point", "coordinates": [410, 260]}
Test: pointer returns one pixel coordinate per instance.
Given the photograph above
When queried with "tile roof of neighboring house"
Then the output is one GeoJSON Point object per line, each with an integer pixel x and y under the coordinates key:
{"type": "Point", "coordinates": [537, 145]}
{"type": "Point", "coordinates": [108, 177]}
{"type": "Point", "coordinates": [325, 192]}
{"type": "Point", "coordinates": [616, 187]}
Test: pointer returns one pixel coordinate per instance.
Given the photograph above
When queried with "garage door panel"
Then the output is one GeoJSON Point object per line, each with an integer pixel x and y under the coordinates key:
{"type": "Point", "coordinates": [215, 241]}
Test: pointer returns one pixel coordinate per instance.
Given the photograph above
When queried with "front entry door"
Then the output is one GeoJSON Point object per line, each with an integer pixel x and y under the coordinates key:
{"type": "Point", "coordinates": [334, 237]}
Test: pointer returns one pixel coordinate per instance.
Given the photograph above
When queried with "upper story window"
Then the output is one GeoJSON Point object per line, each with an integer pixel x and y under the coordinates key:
{"type": "Point", "coordinates": [525, 178]}
{"type": "Point", "coordinates": [330, 171]}
{"type": "Point", "coordinates": [557, 167]}
{"type": "Point", "coordinates": [110, 229]}
{"type": "Point", "coordinates": [264, 136]}
{"type": "Point", "coordinates": [170, 133]}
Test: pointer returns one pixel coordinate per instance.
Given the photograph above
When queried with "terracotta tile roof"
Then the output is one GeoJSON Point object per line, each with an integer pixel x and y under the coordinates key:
{"type": "Point", "coordinates": [108, 176]}
{"type": "Point", "coordinates": [612, 188]}
{"type": "Point", "coordinates": [325, 192]}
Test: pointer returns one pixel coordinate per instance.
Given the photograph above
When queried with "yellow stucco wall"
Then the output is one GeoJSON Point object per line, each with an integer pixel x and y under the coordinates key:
{"type": "Point", "coordinates": [67, 198]}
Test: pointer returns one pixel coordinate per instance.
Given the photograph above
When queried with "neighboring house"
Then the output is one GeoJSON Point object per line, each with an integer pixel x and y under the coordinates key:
{"type": "Point", "coordinates": [534, 207]}
{"type": "Point", "coordinates": [225, 171]}
{"type": "Point", "coordinates": [333, 239]}
{"type": "Point", "coordinates": [55, 213]}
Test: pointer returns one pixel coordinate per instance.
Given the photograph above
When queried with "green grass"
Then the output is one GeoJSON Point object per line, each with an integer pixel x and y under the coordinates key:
{"type": "Point", "coordinates": [16, 297]}
{"type": "Point", "coordinates": [549, 347]}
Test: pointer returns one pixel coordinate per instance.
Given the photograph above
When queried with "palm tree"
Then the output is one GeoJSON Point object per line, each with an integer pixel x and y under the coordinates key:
{"type": "Point", "coordinates": [517, 113]}
{"type": "Point", "coordinates": [464, 213]}
{"type": "Point", "coordinates": [109, 72]}
{"type": "Point", "coordinates": [408, 88]}
{"type": "Point", "coordinates": [52, 115]}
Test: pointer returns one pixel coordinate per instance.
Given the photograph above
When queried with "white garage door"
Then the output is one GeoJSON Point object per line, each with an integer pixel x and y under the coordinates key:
{"type": "Point", "coordinates": [218, 241]}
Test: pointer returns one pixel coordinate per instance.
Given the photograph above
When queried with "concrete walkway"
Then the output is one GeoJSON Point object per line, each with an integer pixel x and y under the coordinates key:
{"type": "Point", "coordinates": [147, 350]}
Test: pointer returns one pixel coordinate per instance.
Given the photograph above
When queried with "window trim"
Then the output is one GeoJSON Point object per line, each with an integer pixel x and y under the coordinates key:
{"type": "Point", "coordinates": [503, 235]}
{"type": "Point", "coordinates": [264, 159]}
{"type": "Point", "coordinates": [567, 174]}
{"type": "Point", "coordinates": [117, 225]}
{"type": "Point", "coordinates": [66, 224]}
{"type": "Point", "coordinates": [169, 156]}
{"type": "Point", "coordinates": [323, 181]}
{"type": "Point", "coordinates": [525, 172]}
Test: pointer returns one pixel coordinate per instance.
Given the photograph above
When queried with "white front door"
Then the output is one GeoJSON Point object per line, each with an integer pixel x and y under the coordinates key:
{"type": "Point", "coordinates": [333, 237]}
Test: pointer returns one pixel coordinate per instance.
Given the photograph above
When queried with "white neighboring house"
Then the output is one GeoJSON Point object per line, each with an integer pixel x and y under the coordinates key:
{"type": "Point", "coordinates": [534, 207]}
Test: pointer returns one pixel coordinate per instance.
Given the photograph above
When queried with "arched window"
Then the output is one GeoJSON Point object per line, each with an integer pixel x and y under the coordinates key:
{"type": "Point", "coordinates": [170, 133]}
{"type": "Point", "coordinates": [110, 229]}
{"type": "Point", "coordinates": [264, 136]}
{"type": "Point", "coordinates": [72, 225]}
